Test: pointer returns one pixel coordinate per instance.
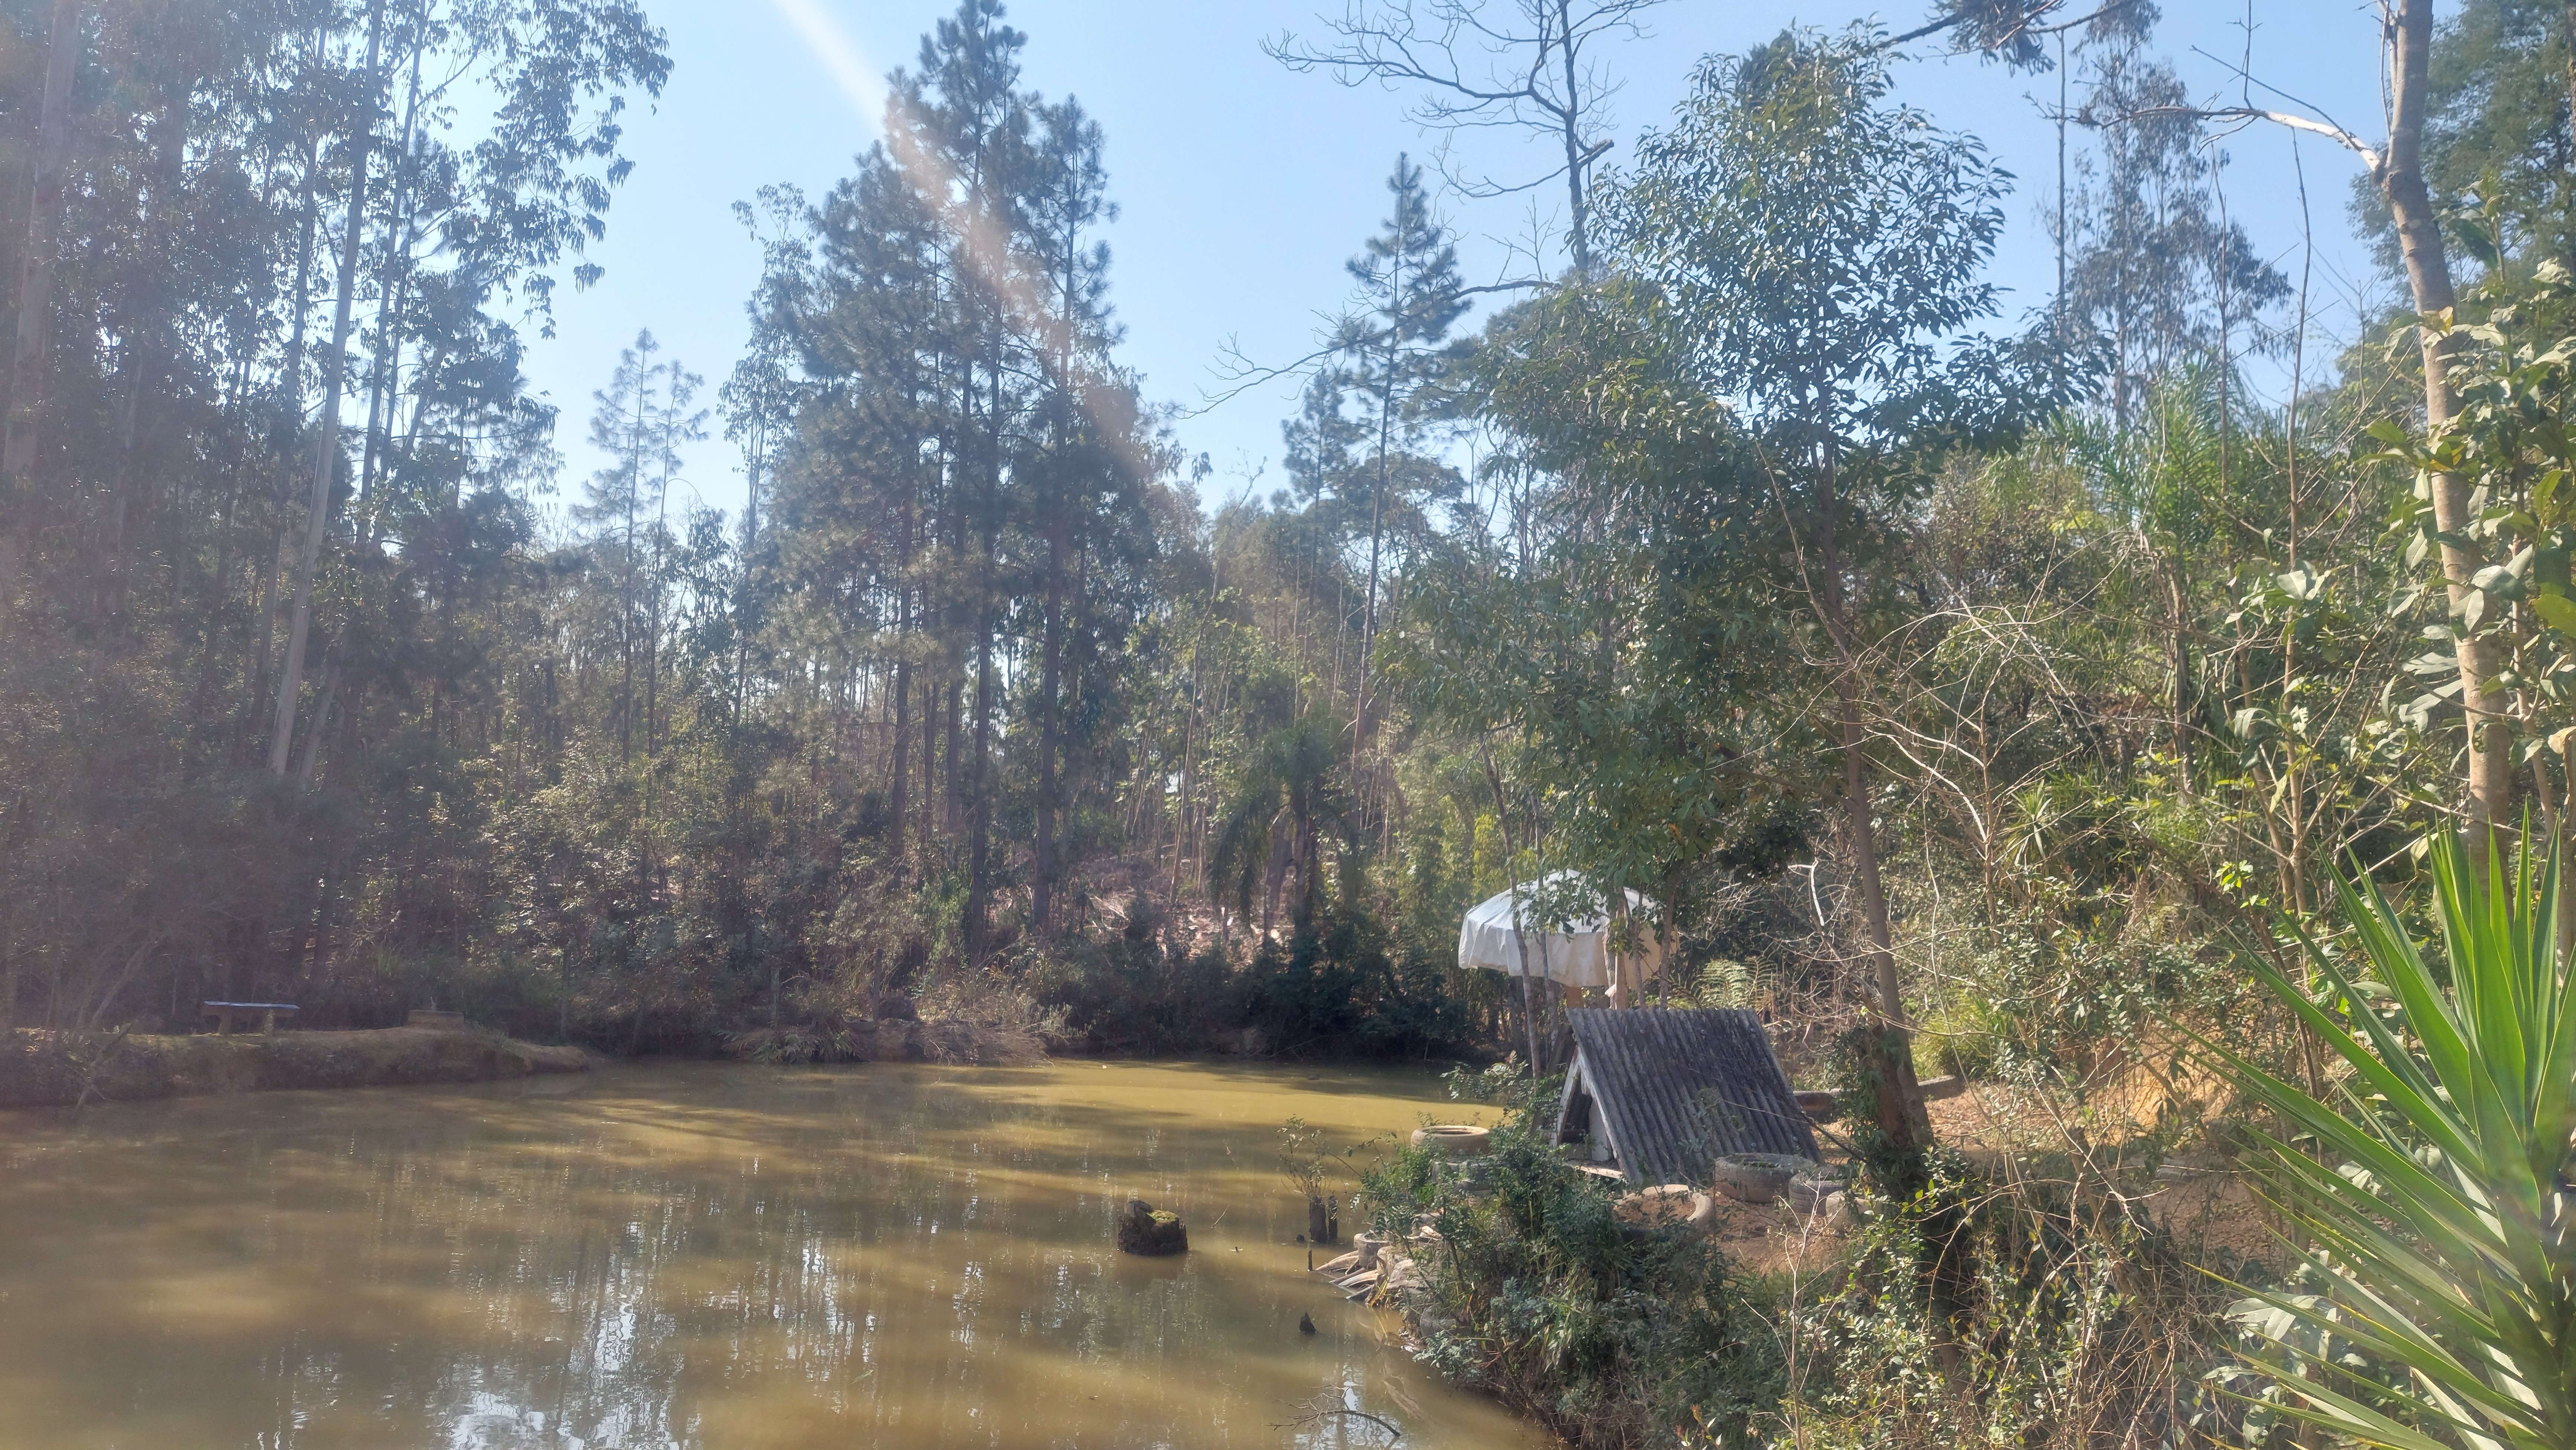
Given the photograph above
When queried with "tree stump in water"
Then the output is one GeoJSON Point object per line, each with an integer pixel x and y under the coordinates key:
{"type": "Point", "coordinates": [1144, 1229]}
{"type": "Point", "coordinates": [1323, 1221]}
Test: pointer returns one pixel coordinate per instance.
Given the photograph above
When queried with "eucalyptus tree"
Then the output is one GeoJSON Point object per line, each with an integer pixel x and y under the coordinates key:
{"type": "Point", "coordinates": [2452, 526]}
{"type": "Point", "coordinates": [1632, 649]}
{"type": "Point", "coordinates": [326, 437]}
{"type": "Point", "coordinates": [487, 222]}
{"type": "Point", "coordinates": [2499, 134]}
{"type": "Point", "coordinates": [1821, 249]}
{"type": "Point", "coordinates": [2454, 508]}
{"type": "Point", "coordinates": [463, 231]}
{"type": "Point", "coordinates": [2152, 266]}
{"type": "Point", "coordinates": [33, 305]}
{"type": "Point", "coordinates": [247, 167]}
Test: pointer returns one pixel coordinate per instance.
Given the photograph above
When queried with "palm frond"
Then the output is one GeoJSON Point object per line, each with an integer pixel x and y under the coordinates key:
{"type": "Point", "coordinates": [2426, 1182]}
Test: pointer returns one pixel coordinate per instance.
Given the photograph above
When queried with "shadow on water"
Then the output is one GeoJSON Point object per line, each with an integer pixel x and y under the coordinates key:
{"type": "Point", "coordinates": [696, 1255]}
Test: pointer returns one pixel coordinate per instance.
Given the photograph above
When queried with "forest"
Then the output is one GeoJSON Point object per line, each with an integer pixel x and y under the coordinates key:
{"type": "Point", "coordinates": [2019, 693]}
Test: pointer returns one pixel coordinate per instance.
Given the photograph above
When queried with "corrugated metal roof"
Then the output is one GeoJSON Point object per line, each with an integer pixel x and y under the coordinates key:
{"type": "Point", "coordinates": [1671, 1089]}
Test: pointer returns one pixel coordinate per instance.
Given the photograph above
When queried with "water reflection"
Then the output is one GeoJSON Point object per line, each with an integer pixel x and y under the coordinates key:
{"type": "Point", "coordinates": [696, 1256]}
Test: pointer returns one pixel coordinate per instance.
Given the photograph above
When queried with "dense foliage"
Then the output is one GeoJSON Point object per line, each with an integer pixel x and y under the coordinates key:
{"type": "Point", "coordinates": [1969, 691]}
{"type": "Point", "coordinates": [1605, 1331]}
{"type": "Point", "coordinates": [977, 685]}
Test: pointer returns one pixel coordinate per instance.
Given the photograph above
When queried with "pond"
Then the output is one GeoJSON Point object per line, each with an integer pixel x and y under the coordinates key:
{"type": "Point", "coordinates": [700, 1255]}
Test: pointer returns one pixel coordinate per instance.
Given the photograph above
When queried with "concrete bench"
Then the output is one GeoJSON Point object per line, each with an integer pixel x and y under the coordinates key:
{"type": "Point", "coordinates": [225, 1012]}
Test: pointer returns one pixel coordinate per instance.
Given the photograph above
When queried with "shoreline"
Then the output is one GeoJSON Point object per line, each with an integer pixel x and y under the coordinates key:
{"type": "Point", "coordinates": [43, 1069]}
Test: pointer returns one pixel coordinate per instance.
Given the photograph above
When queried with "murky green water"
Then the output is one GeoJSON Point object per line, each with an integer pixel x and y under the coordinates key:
{"type": "Point", "coordinates": [696, 1256]}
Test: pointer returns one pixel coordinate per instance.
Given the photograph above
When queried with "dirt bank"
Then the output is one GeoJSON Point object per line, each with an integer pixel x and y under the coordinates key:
{"type": "Point", "coordinates": [50, 1069]}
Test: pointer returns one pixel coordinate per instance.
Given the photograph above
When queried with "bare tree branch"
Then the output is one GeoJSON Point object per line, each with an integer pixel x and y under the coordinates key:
{"type": "Point", "coordinates": [1472, 70]}
{"type": "Point", "coordinates": [1314, 1413]}
{"type": "Point", "coordinates": [2369, 154]}
{"type": "Point", "coordinates": [1240, 374]}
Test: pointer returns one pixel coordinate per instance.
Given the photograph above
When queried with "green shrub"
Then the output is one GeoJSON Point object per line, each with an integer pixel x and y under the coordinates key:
{"type": "Point", "coordinates": [1129, 996]}
{"type": "Point", "coordinates": [1610, 1336]}
{"type": "Point", "coordinates": [1338, 986]}
{"type": "Point", "coordinates": [2042, 1310]}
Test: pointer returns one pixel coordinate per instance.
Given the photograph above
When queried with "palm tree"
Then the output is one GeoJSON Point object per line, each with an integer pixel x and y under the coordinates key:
{"type": "Point", "coordinates": [1291, 794]}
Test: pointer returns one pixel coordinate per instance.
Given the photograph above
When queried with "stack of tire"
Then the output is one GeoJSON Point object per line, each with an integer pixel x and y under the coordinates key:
{"type": "Point", "coordinates": [1767, 1178]}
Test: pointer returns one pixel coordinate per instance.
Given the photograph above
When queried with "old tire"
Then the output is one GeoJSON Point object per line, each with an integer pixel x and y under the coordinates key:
{"type": "Point", "coordinates": [1673, 1205]}
{"type": "Point", "coordinates": [1757, 1177]}
{"type": "Point", "coordinates": [1454, 1140]}
{"type": "Point", "coordinates": [1809, 1189]}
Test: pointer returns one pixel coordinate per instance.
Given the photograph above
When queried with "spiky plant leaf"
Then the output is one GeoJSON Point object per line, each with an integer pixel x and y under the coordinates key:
{"type": "Point", "coordinates": [2427, 1181]}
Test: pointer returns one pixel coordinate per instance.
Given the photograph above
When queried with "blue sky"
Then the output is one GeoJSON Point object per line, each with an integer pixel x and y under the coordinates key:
{"type": "Point", "coordinates": [1242, 187]}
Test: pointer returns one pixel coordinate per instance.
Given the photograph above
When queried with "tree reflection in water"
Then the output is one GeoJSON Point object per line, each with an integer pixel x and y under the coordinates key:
{"type": "Point", "coordinates": [697, 1255]}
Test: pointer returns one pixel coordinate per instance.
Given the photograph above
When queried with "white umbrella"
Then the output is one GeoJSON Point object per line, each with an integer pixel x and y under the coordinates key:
{"type": "Point", "coordinates": [1577, 953]}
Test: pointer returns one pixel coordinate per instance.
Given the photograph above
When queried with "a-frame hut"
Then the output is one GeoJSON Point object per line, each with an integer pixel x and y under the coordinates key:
{"type": "Point", "coordinates": [1668, 1090]}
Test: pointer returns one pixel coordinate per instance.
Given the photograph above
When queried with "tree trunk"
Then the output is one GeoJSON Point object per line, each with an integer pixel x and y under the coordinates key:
{"type": "Point", "coordinates": [979, 881]}
{"type": "Point", "coordinates": [1281, 848]}
{"type": "Point", "coordinates": [321, 717]}
{"type": "Point", "coordinates": [2488, 809]}
{"type": "Point", "coordinates": [392, 290]}
{"type": "Point", "coordinates": [1529, 1019]}
{"type": "Point", "coordinates": [2178, 657]}
{"type": "Point", "coordinates": [145, 348]}
{"type": "Point", "coordinates": [1050, 733]}
{"type": "Point", "coordinates": [36, 298]}
{"type": "Point", "coordinates": [929, 760]}
{"type": "Point", "coordinates": [326, 443]}
{"type": "Point", "coordinates": [951, 785]}
{"type": "Point", "coordinates": [290, 410]}
{"type": "Point", "coordinates": [902, 784]}
{"type": "Point", "coordinates": [743, 605]}
{"type": "Point", "coordinates": [1578, 160]}
{"type": "Point", "coordinates": [107, 566]}
{"type": "Point", "coordinates": [1669, 946]}
{"type": "Point", "coordinates": [2569, 38]}
{"type": "Point", "coordinates": [907, 630]}
{"type": "Point", "coordinates": [979, 875]}
{"type": "Point", "coordinates": [1898, 1112]}
{"type": "Point", "coordinates": [1377, 531]}
{"type": "Point", "coordinates": [9, 973]}
{"type": "Point", "coordinates": [217, 601]}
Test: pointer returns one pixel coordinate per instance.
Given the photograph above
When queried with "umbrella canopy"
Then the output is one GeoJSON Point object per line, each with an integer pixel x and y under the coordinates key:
{"type": "Point", "coordinates": [1577, 954]}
